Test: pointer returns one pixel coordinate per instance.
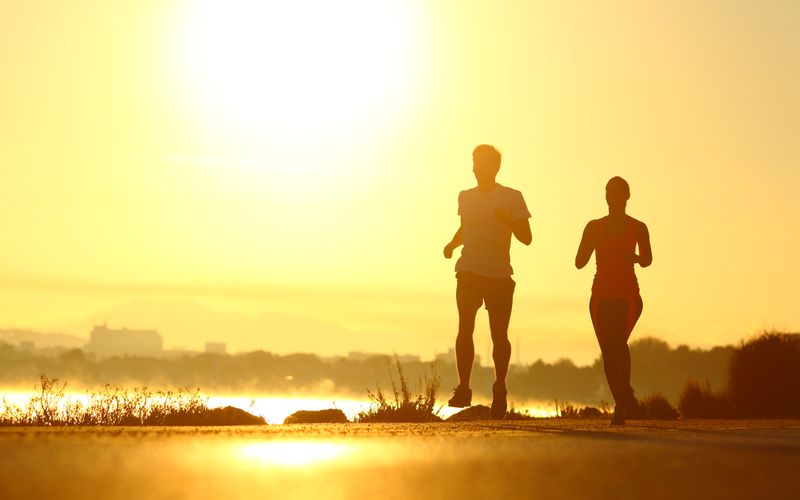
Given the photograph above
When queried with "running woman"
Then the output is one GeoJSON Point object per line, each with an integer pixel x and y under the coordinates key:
{"type": "Point", "coordinates": [616, 305]}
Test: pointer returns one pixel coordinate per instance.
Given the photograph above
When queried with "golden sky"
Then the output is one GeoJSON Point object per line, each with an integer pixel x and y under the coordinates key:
{"type": "Point", "coordinates": [268, 158]}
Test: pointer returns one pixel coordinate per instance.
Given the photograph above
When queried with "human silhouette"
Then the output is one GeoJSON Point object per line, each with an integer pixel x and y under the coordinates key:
{"type": "Point", "coordinates": [490, 214]}
{"type": "Point", "coordinates": [616, 305]}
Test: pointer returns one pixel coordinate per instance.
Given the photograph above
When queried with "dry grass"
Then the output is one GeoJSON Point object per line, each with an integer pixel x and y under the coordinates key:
{"type": "Point", "coordinates": [514, 413]}
{"type": "Point", "coordinates": [653, 407]}
{"type": "Point", "coordinates": [566, 410]}
{"type": "Point", "coordinates": [404, 407]}
{"type": "Point", "coordinates": [115, 406]}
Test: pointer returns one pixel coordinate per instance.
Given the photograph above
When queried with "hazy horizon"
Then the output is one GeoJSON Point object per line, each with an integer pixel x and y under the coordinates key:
{"type": "Point", "coordinates": [187, 324]}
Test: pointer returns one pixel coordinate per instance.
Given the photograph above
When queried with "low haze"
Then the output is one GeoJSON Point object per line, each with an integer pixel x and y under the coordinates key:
{"type": "Point", "coordinates": [283, 177]}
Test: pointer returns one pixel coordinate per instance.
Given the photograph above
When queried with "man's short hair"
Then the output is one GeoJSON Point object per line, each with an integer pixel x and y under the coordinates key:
{"type": "Point", "coordinates": [488, 153]}
{"type": "Point", "coordinates": [618, 186]}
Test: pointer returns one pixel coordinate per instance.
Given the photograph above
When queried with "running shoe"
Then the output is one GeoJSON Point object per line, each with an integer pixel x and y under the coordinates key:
{"type": "Point", "coordinates": [462, 397]}
{"type": "Point", "coordinates": [619, 416]}
{"type": "Point", "coordinates": [633, 409]}
{"type": "Point", "coordinates": [499, 404]}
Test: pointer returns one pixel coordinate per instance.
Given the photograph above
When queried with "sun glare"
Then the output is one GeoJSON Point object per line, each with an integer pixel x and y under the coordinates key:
{"type": "Point", "coordinates": [292, 453]}
{"type": "Point", "coordinates": [301, 72]}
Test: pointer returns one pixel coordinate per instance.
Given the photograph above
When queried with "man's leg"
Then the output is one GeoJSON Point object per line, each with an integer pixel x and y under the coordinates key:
{"type": "Point", "coordinates": [499, 306]}
{"type": "Point", "coordinates": [499, 303]}
{"type": "Point", "coordinates": [501, 346]}
{"type": "Point", "coordinates": [468, 300]}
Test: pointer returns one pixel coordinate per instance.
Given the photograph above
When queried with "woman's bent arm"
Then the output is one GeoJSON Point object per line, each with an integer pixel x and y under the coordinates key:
{"type": "Point", "coordinates": [586, 247]}
{"type": "Point", "coordinates": [645, 252]}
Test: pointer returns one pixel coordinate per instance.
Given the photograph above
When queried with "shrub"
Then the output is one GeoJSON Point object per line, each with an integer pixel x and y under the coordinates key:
{"type": "Point", "coordinates": [764, 376]}
{"type": "Point", "coordinates": [699, 401]}
{"type": "Point", "coordinates": [656, 407]}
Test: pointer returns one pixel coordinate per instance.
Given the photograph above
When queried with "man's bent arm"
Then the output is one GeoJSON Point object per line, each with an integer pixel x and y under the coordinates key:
{"type": "Point", "coordinates": [458, 240]}
{"type": "Point", "coordinates": [522, 231]}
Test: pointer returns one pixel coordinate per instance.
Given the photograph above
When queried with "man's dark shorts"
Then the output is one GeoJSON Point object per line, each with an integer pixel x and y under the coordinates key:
{"type": "Point", "coordinates": [473, 290]}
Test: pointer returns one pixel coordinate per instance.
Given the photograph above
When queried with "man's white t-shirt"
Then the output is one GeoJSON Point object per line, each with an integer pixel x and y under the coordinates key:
{"type": "Point", "coordinates": [487, 241]}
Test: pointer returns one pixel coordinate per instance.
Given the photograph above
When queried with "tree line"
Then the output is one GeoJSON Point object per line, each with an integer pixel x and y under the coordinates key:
{"type": "Point", "coordinates": [657, 368]}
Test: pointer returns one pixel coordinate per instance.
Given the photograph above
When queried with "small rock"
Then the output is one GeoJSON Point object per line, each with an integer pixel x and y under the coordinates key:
{"type": "Point", "coordinates": [590, 412]}
{"type": "Point", "coordinates": [330, 416]}
{"type": "Point", "coordinates": [477, 412]}
{"type": "Point", "coordinates": [232, 416]}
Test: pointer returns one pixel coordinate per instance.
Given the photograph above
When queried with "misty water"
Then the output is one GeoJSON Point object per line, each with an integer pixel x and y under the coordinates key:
{"type": "Point", "coordinates": [275, 409]}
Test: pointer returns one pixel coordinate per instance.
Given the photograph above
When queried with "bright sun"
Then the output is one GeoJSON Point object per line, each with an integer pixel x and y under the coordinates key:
{"type": "Point", "coordinates": [301, 72]}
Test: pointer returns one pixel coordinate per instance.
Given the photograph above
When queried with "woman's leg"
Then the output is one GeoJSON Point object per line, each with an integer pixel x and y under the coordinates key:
{"type": "Point", "coordinates": [610, 320]}
{"type": "Point", "coordinates": [634, 312]}
{"type": "Point", "coordinates": [635, 306]}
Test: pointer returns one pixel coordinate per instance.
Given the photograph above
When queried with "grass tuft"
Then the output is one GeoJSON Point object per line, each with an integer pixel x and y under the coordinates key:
{"type": "Point", "coordinates": [514, 413]}
{"type": "Point", "coordinates": [404, 407]}
{"type": "Point", "coordinates": [567, 410]}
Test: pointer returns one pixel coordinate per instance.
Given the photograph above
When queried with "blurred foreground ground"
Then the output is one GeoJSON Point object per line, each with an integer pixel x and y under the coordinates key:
{"type": "Point", "coordinates": [548, 458]}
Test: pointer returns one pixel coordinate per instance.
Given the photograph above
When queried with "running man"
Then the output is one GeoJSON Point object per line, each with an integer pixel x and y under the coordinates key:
{"type": "Point", "coordinates": [615, 305]}
{"type": "Point", "coordinates": [490, 214]}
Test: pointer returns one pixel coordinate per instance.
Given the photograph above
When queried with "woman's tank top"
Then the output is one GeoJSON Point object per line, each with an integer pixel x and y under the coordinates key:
{"type": "Point", "coordinates": [615, 277]}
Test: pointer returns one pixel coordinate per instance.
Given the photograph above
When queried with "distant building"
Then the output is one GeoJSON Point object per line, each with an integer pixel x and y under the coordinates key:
{"type": "Point", "coordinates": [447, 357]}
{"type": "Point", "coordinates": [106, 342]}
{"type": "Point", "coordinates": [215, 347]}
{"type": "Point", "coordinates": [27, 339]}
